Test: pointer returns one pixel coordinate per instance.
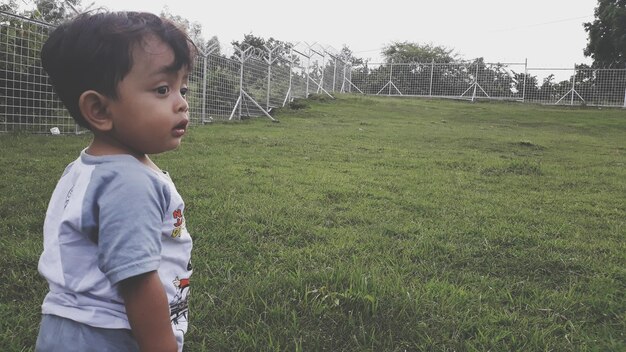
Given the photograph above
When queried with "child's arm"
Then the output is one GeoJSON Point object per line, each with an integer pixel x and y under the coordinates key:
{"type": "Point", "coordinates": [148, 312]}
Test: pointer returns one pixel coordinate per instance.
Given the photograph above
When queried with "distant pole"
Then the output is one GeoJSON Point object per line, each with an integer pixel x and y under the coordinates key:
{"type": "Point", "coordinates": [290, 74]}
{"type": "Point", "coordinates": [625, 96]}
{"type": "Point", "coordinates": [204, 78]}
{"type": "Point", "coordinates": [241, 67]}
{"type": "Point", "coordinates": [334, 73]}
{"type": "Point", "coordinates": [432, 70]}
{"type": "Point", "coordinates": [390, 76]}
{"type": "Point", "coordinates": [308, 64]}
{"type": "Point", "coordinates": [573, 86]}
{"type": "Point", "coordinates": [269, 77]}
{"type": "Point", "coordinates": [343, 76]}
{"type": "Point", "coordinates": [321, 85]}
{"type": "Point", "coordinates": [525, 75]}
{"type": "Point", "coordinates": [475, 82]}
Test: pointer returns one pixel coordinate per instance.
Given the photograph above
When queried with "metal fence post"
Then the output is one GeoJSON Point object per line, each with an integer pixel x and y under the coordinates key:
{"type": "Point", "coordinates": [571, 103]}
{"type": "Point", "coordinates": [343, 76]}
{"type": "Point", "coordinates": [289, 92]}
{"type": "Point", "coordinates": [432, 71]}
{"type": "Point", "coordinates": [624, 89]}
{"type": "Point", "coordinates": [350, 80]}
{"type": "Point", "coordinates": [525, 75]}
{"type": "Point", "coordinates": [204, 83]}
{"type": "Point", "coordinates": [475, 82]}
{"type": "Point", "coordinates": [321, 84]}
{"type": "Point", "coordinates": [205, 74]}
{"type": "Point", "coordinates": [390, 76]}
{"type": "Point", "coordinates": [308, 64]}
{"type": "Point", "coordinates": [241, 85]}
{"type": "Point", "coordinates": [269, 60]}
{"type": "Point", "coordinates": [269, 78]}
{"type": "Point", "coordinates": [334, 73]}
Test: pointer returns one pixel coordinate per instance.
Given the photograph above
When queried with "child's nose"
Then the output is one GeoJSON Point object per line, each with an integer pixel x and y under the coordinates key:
{"type": "Point", "coordinates": [182, 104]}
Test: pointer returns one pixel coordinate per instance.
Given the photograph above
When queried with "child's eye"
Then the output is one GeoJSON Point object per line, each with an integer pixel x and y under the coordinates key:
{"type": "Point", "coordinates": [162, 90]}
{"type": "Point", "coordinates": [184, 91]}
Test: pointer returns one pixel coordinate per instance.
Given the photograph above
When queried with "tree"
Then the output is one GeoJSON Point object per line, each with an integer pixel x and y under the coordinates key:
{"type": "Point", "coordinates": [346, 55]}
{"type": "Point", "coordinates": [414, 52]}
{"type": "Point", "coordinates": [9, 6]}
{"type": "Point", "coordinates": [193, 29]}
{"type": "Point", "coordinates": [214, 45]}
{"type": "Point", "coordinates": [526, 86]}
{"type": "Point", "coordinates": [250, 40]}
{"type": "Point", "coordinates": [54, 11]}
{"type": "Point", "coordinates": [260, 44]}
{"type": "Point", "coordinates": [607, 35]}
{"type": "Point", "coordinates": [49, 11]}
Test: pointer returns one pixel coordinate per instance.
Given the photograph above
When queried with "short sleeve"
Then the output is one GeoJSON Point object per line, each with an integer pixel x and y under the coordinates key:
{"type": "Point", "coordinates": [128, 210]}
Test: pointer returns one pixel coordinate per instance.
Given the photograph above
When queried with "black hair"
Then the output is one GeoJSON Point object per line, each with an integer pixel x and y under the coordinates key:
{"type": "Point", "coordinates": [94, 52]}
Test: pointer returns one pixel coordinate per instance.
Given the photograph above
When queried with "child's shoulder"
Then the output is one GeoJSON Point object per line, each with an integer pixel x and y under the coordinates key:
{"type": "Point", "coordinates": [122, 173]}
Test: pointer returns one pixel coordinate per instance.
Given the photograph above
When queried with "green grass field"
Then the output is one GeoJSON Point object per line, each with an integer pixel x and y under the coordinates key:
{"type": "Point", "coordinates": [374, 224]}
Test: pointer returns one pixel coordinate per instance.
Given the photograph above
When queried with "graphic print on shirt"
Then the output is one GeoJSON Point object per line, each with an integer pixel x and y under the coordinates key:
{"type": "Point", "coordinates": [68, 196]}
{"type": "Point", "coordinates": [180, 223]}
{"type": "Point", "coordinates": [179, 306]}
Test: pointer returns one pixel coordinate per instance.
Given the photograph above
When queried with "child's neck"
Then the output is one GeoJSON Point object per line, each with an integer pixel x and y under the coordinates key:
{"type": "Point", "coordinates": [98, 147]}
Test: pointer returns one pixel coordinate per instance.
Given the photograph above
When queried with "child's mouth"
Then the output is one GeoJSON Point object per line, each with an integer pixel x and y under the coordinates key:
{"type": "Point", "coordinates": [180, 129]}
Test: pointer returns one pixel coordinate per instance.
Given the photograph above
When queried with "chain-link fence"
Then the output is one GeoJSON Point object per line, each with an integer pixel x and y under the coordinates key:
{"type": "Point", "coordinates": [500, 81]}
{"type": "Point", "coordinates": [254, 81]}
{"type": "Point", "coordinates": [585, 86]}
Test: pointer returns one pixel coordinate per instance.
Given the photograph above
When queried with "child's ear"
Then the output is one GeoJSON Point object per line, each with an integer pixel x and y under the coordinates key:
{"type": "Point", "coordinates": [93, 107]}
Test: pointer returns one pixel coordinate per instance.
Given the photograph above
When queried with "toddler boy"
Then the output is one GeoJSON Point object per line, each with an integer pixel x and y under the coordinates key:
{"type": "Point", "coordinates": [116, 249]}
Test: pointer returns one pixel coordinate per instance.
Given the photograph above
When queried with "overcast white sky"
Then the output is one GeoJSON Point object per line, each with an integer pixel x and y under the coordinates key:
{"type": "Point", "coordinates": [549, 33]}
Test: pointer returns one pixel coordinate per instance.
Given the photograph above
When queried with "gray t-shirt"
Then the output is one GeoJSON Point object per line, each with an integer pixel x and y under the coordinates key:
{"type": "Point", "coordinates": [111, 218]}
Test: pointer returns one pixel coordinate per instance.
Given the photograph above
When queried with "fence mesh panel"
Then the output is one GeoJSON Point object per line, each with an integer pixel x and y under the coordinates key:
{"type": "Point", "coordinates": [278, 91]}
{"type": "Point", "coordinates": [299, 61]}
{"type": "Point", "coordinates": [195, 94]}
{"type": "Point", "coordinates": [222, 87]}
{"type": "Point", "coordinates": [27, 101]}
{"type": "Point", "coordinates": [254, 85]}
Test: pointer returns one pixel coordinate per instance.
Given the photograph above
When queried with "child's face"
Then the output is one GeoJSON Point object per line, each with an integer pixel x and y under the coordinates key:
{"type": "Point", "coordinates": [150, 114]}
